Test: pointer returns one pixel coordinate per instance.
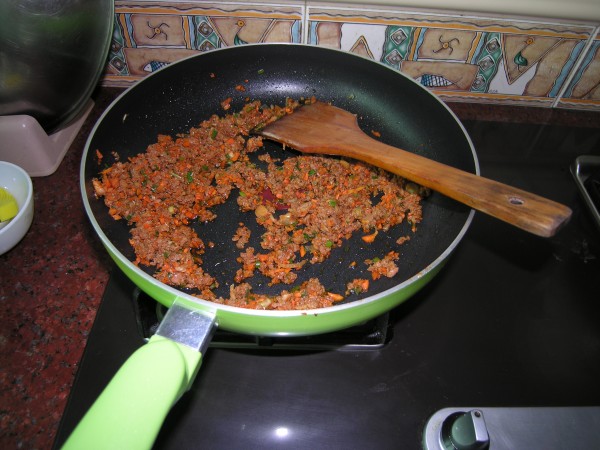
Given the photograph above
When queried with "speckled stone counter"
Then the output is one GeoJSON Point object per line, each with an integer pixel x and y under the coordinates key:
{"type": "Point", "coordinates": [50, 286]}
{"type": "Point", "coordinates": [52, 283]}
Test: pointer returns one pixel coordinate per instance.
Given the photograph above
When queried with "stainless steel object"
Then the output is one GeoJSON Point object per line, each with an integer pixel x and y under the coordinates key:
{"type": "Point", "coordinates": [513, 428]}
{"type": "Point", "coordinates": [188, 327]}
{"type": "Point", "coordinates": [583, 169]}
{"type": "Point", "coordinates": [52, 54]}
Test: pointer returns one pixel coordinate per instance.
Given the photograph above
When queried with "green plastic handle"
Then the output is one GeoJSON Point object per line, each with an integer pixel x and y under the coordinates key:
{"type": "Point", "coordinates": [130, 411]}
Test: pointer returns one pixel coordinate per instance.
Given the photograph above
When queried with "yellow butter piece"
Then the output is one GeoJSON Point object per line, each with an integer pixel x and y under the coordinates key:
{"type": "Point", "coordinates": [8, 205]}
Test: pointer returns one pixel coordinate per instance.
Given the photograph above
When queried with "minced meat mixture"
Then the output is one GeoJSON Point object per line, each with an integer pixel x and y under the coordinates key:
{"type": "Point", "coordinates": [308, 205]}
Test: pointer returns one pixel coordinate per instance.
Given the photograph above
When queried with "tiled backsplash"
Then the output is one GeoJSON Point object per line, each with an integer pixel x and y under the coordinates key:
{"type": "Point", "coordinates": [461, 57]}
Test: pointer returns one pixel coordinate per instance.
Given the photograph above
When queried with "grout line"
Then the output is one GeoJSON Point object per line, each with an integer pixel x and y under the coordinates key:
{"type": "Point", "coordinates": [305, 30]}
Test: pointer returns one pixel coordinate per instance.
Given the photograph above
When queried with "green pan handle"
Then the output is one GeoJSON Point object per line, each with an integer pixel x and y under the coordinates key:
{"type": "Point", "coordinates": [130, 411]}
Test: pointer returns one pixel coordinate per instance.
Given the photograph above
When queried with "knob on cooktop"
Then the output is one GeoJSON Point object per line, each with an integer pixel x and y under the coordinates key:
{"type": "Point", "coordinates": [465, 431]}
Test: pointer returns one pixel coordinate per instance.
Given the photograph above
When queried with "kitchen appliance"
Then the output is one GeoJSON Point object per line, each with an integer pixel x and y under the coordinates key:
{"type": "Point", "coordinates": [53, 54]}
{"type": "Point", "coordinates": [195, 89]}
{"type": "Point", "coordinates": [511, 322]}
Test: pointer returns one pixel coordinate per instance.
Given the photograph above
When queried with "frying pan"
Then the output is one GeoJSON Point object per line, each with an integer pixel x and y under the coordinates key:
{"type": "Point", "coordinates": [130, 411]}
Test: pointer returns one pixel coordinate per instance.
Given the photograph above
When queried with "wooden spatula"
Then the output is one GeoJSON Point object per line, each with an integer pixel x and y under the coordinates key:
{"type": "Point", "coordinates": [324, 129]}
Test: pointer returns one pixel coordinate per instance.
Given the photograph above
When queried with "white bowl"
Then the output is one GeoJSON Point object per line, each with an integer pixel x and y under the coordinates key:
{"type": "Point", "coordinates": [16, 181]}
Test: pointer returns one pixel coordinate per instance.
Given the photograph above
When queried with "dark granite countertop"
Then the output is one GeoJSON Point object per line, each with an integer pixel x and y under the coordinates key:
{"type": "Point", "coordinates": [51, 285]}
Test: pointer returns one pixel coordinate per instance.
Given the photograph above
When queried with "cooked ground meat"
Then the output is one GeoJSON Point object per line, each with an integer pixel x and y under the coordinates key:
{"type": "Point", "coordinates": [357, 286]}
{"type": "Point", "coordinates": [241, 236]}
{"type": "Point", "coordinates": [309, 295]}
{"type": "Point", "coordinates": [307, 205]}
{"type": "Point", "coordinates": [402, 240]}
{"type": "Point", "coordinates": [383, 267]}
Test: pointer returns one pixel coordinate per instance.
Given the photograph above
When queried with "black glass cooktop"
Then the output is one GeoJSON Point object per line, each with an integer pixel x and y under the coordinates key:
{"type": "Point", "coordinates": [512, 320]}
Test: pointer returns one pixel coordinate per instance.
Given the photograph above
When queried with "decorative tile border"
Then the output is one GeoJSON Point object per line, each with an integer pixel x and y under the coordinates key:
{"type": "Point", "coordinates": [583, 92]}
{"type": "Point", "coordinates": [150, 35]}
{"type": "Point", "coordinates": [459, 57]}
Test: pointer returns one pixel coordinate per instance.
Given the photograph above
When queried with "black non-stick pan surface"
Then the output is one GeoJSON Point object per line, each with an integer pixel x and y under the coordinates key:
{"type": "Point", "coordinates": [184, 94]}
{"type": "Point", "coordinates": [130, 411]}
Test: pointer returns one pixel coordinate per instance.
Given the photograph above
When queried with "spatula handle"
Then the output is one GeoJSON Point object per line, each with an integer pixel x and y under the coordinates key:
{"type": "Point", "coordinates": [523, 209]}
